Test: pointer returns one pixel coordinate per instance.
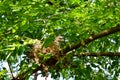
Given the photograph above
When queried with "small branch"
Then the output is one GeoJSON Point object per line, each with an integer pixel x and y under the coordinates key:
{"type": "Point", "coordinates": [35, 75]}
{"type": "Point", "coordinates": [92, 38]}
{"type": "Point", "coordinates": [23, 74]}
{"type": "Point", "coordinates": [13, 78]}
{"type": "Point", "coordinates": [109, 54]}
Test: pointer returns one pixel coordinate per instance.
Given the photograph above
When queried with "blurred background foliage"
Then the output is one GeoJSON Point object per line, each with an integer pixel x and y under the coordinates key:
{"type": "Point", "coordinates": [22, 22]}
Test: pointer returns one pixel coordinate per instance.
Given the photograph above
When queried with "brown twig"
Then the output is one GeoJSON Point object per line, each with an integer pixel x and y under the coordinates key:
{"type": "Point", "coordinates": [92, 38]}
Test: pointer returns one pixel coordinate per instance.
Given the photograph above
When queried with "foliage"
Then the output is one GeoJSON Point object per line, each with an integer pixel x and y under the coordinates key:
{"type": "Point", "coordinates": [23, 22]}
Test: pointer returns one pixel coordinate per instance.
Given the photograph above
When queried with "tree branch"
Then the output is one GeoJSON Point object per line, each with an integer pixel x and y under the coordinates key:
{"type": "Point", "coordinates": [22, 75]}
{"type": "Point", "coordinates": [109, 54]}
{"type": "Point", "coordinates": [92, 38]}
{"type": "Point", "coordinates": [52, 61]}
{"type": "Point", "coordinates": [12, 76]}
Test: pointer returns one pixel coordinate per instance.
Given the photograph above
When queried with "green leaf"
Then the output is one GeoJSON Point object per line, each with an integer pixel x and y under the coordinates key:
{"type": "Point", "coordinates": [47, 56]}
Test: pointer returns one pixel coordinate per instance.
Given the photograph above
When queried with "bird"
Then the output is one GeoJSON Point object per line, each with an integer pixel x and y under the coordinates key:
{"type": "Point", "coordinates": [54, 47]}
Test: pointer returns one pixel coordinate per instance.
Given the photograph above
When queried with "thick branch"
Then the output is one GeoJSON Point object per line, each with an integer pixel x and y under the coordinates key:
{"type": "Point", "coordinates": [109, 54]}
{"type": "Point", "coordinates": [92, 38]}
